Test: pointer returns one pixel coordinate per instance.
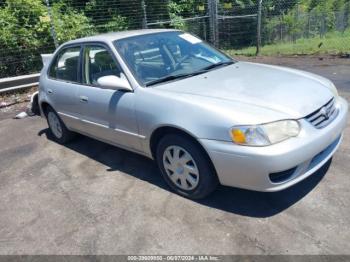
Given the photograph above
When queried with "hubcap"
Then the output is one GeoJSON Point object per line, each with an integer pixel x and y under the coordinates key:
{"type": "Point", "coordinates": [54, 124]}
{"type": "Point", "coordinates": [180, 167]}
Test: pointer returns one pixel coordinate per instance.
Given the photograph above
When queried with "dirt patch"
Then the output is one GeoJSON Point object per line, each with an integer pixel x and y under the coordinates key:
{"type": "Point", "coordinates": [13, 96]}
{"type": "Point", "coordinates": [12, 103]}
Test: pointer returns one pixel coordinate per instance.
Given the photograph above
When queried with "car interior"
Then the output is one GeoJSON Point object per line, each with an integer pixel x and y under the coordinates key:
{"type": "Point", "coordinates": [99, 64]}
{"type": "Point", "coordinates": [66, 69]}
{"type": "Point", "coordinates": [157, 59]}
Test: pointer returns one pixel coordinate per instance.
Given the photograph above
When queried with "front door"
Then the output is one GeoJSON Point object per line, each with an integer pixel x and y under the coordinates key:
{"type": "Point", "coordinates": [107, 114]}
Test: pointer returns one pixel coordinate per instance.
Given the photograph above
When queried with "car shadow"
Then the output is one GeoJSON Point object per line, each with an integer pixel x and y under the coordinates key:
{"type": "Point", "coordinates": [263, 204]}
{"type": "Point", "coordinates": [234, 200]}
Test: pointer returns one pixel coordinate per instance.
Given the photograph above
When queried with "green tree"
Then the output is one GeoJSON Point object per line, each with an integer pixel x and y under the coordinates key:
{"type": "Point", "coordinates": [22, 34]}
{"type": "Point", "coordinates": [25, 33]}
{"type": "Point", "coordinates": [109, 16]}
{"type": "Point", "coordinates": [70, 23]}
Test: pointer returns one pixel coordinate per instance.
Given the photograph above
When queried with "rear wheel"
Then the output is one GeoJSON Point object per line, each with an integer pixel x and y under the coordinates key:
{"type": "Point", "coordinates": [185, 167]}
{"type": "Point", "coordinates": [59, 131]}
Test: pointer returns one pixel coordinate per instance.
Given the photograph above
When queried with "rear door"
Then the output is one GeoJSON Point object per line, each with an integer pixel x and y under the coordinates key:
{"type": "Point", "coordinates": [107, 114]}
{"type": "Point", "coordinates": [62, 85]}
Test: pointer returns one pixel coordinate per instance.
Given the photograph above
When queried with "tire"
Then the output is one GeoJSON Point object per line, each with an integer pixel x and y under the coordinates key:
{"type": "Point", "coordinates": [191, 174]}
{"type": "Point", "coordinates": [58, 129]}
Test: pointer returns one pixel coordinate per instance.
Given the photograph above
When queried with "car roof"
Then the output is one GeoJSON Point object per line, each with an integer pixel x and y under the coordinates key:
{"type": "Point", "coordinates": [109, 37]}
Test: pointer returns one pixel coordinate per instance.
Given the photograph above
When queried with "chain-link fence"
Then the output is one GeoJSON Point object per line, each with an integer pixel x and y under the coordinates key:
{"type": "Point", "coordinates": [303, 29]}
{"type": "Point", "coordinates": [31, 27]}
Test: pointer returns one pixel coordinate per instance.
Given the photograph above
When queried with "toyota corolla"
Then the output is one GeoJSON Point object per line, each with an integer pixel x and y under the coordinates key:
{"type": "Point", "coordinates": [205, 118]}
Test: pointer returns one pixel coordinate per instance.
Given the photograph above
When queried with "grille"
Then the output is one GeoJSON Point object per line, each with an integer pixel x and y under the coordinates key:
{"type": "Point", "coordinates": [324, 115]}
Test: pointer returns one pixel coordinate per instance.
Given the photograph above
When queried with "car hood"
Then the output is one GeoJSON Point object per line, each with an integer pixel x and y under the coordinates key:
{"type": "Point", "coordinates": [289, 91]}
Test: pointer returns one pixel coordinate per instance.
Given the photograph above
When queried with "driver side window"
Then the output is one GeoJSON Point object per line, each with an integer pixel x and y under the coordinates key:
{"type": "Point", "coordinates": [98, 62]}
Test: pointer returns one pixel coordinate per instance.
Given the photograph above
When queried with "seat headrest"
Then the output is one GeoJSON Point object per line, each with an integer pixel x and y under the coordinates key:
{"type": "Point", "coordinates": [71, 62]}
{"type": "Point", "coordinates": [103, 58]}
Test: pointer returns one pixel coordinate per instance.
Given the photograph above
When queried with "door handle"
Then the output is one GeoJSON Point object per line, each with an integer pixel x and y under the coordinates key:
{"type": "Point", "coordinates": [49, 91]}
{"type": "Point", "coordinates": [83, 99]}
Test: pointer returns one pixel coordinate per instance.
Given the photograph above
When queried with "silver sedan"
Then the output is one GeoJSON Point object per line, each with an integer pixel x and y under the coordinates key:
{"type": "Point", "coordinates": [204, 117]}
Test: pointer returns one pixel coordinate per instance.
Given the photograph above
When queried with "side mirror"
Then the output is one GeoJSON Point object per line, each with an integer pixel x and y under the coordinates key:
{"type": "Point", "coordinates": [114, 82]}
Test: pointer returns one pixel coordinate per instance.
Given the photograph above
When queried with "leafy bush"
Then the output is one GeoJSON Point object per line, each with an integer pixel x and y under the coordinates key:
{"type": "Point", "coordinates": [116, 23]}
{"type": "Point", "coordinates": [25, 26]}
{"type": "Point", "coordinates": [175, 17]}
{"type": "Point", "coordinates": [112, 21]}
{"type": "Point", "coordinates": [22, 34]}
{"type": "Point", "coordinates": [25, 33]}
{"type": "Point", "coordinates": [69, 23]}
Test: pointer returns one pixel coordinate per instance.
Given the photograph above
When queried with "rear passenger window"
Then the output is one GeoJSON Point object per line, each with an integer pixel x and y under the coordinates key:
{"type": "Point", "coordinates": [65, 66]}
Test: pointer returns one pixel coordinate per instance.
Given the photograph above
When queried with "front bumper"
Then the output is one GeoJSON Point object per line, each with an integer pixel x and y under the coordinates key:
{"type": "Point", "coordinates": [249, 167]}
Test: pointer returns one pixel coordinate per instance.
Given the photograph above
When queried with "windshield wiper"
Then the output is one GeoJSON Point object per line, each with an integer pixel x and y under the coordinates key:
{"type": "Point", "coordinates": [179, 76]}
{"type": "Point", "coordinates": [218, 65]}
{"type": "Point", "coordinates": [169, 78]}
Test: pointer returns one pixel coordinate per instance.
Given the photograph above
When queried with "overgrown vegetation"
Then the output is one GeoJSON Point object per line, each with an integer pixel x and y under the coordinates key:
{"type": "Point", "coordinates": [306, 26]}
{"type": "Point", "coordinates": [25, 29]}
{"type": "Point", "coordinates": [331, 43]}
{"type": "Point", "coordinates": [288, 26]}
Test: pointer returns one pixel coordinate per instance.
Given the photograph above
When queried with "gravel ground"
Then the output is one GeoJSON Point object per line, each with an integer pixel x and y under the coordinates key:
{"type": "Point", "coordinates": [15, 102]}
{"type": "Point", "coordinates": [92, 198]}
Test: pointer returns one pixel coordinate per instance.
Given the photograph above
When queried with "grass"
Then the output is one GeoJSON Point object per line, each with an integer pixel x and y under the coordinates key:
{"type": "Point", "coordinates": [332, 43]}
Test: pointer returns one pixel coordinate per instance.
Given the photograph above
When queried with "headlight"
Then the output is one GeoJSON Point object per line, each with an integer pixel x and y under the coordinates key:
{"type": "Point", "coordinates": [265, 134]}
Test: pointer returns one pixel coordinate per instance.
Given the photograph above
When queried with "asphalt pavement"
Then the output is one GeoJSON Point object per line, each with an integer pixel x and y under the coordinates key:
{"type": "Point", "coordinates": [92, 198]}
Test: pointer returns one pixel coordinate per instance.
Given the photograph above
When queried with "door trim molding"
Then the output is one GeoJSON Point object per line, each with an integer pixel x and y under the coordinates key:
{"type": "Point", "coordinates": [101, 125]}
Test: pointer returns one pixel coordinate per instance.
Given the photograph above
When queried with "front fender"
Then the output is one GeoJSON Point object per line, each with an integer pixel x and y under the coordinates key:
{"type": "Point", "coordinates": [201, 117]}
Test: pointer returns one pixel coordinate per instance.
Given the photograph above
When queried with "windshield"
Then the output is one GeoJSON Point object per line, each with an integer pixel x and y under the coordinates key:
{"type": "Point", "coordinates": [167, 56]}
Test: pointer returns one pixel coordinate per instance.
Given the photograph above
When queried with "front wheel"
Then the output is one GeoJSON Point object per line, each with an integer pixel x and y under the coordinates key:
{"type": "Point", "coordinates": [185, 167]}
